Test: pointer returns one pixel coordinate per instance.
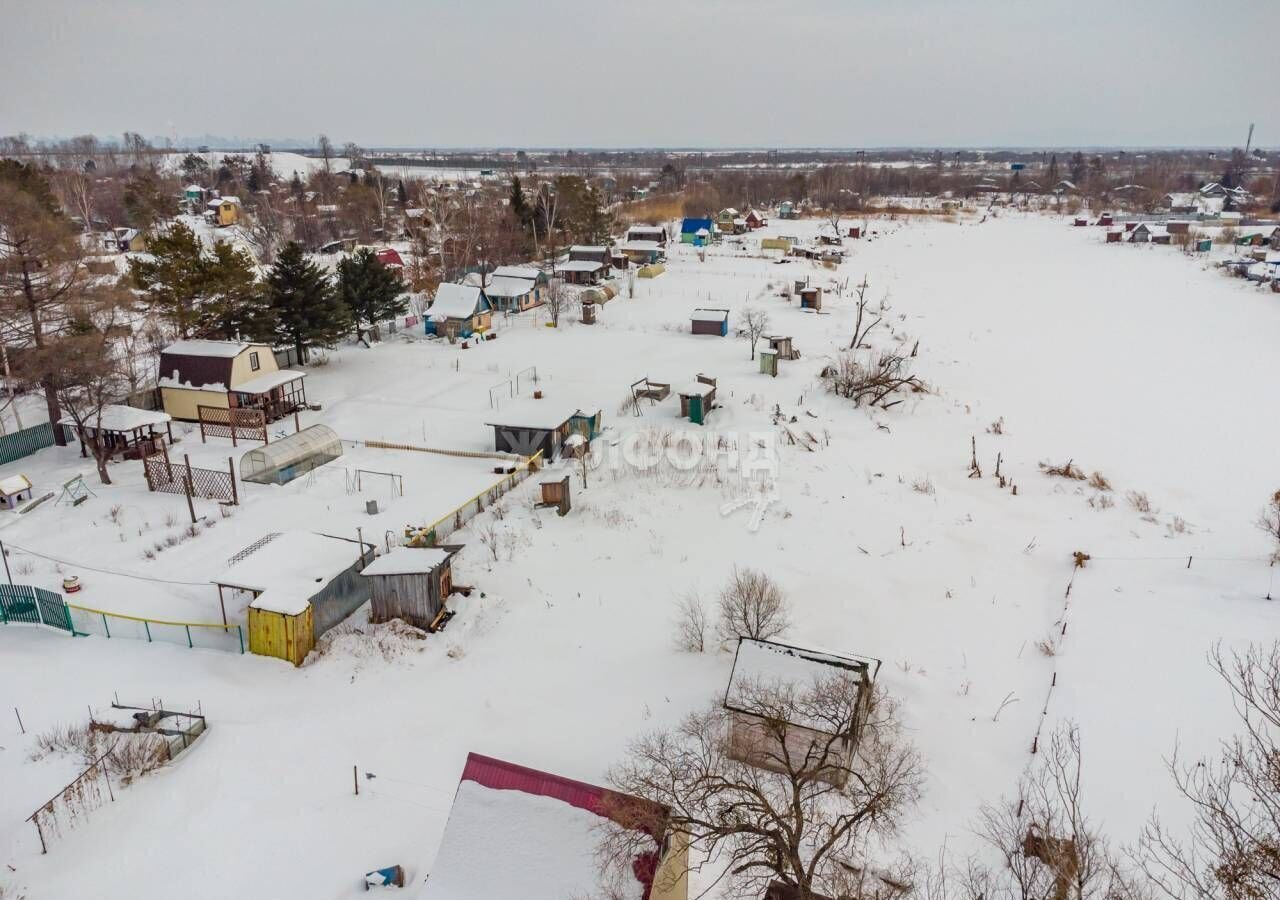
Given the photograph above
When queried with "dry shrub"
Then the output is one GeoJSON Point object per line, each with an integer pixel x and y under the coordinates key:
{"type": "Point", "coordinates": [879, 380]}
{"type": "Point", "coordinates": [692, 622]}
{"type": "Point", "coordinates": [1048, 646]}
{"type": "Point", "coordinates": [1178, 525]}
{"type": "Point", "coordinates": [133, 755]}
{"type": "Point", "coordinates": [752, 605]}
{"type": "Point", "coordinates": [1140, 502]}
{"type": "Point", "coordinates": [1101, 501]}
{"type": "Point", "coordinates": [996, 427]}
{"type": "Point", "coordinates": [1269, 523]}
{"type": "Point", "coordinates": [1099, 482]}
{"type": "Point", "coordinates": [923, 486]}
{"type": "Point", "coordinates": [1067, 470]}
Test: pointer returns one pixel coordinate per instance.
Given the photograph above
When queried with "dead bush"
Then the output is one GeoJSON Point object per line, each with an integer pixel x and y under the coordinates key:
{"type": "Point", "coordinates": [1178, 525]}
{"type": "Point", "coordinates": [996, 427]}
{"type": "Point", "coordinates": [752, 605]}
{"type": "Point", "coordinates": [923, 486]}
{"type": "Point", "coordinates": [1140, 502]}
{"type": "Point", "coordinates": [879, 380]}
{"type": "Point", "coordinates": [1099, 482]}
{"type": "Point", "coordinates": [1101, 501]}
{"type": "Point", "coordinates": [1067, 470]}
{"type": "Point", "coordinates": [691, 624]}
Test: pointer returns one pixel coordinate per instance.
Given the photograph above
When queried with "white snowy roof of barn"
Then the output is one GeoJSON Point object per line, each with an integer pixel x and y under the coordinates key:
{"type": "Point", "coordinates": [528, 273]}
{"type": "Point", "coordinates": [290, 569]}
{"type": "Point", "coordinates": [512, 845]}
{"type": "Point", "coordinates": [218, 201]}
{"type": "Point", "coordinates": [509, 286]}
{"type": "Point", "coordinates": [579, 265]}
{"type": "Point", "coordinates": [121, 418]}
{"type": "Point", "coordinates": [196, 347]}
{"type": "Point", "coordinates": [407, 561]}
{"type": "Point", "coordinates": [642, 246]}
{"type": "Point", "coordinates": [695, 389]}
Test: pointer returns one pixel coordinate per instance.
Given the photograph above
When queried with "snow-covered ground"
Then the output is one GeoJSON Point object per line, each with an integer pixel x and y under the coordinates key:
{"type": "Point", "coordinates": [1103, 354]}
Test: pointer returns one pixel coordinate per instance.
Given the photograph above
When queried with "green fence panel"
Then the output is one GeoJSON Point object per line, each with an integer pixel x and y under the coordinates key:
{"type": "Point", "coordinates": [17, 444]}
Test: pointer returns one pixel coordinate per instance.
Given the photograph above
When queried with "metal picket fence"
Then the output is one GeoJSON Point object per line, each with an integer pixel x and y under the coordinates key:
{"type": "Point", "coordinates": [29, 605]}
{"type": "Point", "coordinates": [17, 444]}
{"type": "Point", "coordinates": [195, 635]}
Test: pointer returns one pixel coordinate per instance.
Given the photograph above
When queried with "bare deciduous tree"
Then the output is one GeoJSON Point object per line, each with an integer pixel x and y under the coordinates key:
{"type": "Point", "coordinates": [865, 322]}
{"type": "Point", "coordinates": [556, 299]}
{"type": "Point", "coordinates": [1234, 848]}
{"type": "Point", "coordinates": [692, 623]}
{"type": "Point", "coordinates": [1269, 522]}
{"type": "Point", "coordinates": [755, 322]}
{"type": "Point", "coordinates": [752, 605]}
{"type": "Point", "coordinates": [792, 822]}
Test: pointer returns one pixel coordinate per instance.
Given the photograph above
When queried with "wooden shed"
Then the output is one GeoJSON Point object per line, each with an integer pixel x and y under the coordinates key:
{"type": "Point", "coordinates": [301, 583]}
{"type": "Point", "coordinates": [710, 321]}
{"type": "Point", "coordinates": [811, 298]}
{"type": "Point", "coordinates": [411, 584]}
{"type": "Point", "coordinates": [763, 667]}
{"type": "Point", "coordinates": [527, 426]}
{"type": "Point", "coordinates": [14, 490]}
{"type": "Point", "coordinates": [697, 399]}
{"type": "Point", "coordinates": [781, 345]}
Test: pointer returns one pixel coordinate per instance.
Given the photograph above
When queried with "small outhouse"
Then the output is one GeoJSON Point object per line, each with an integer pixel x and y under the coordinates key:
{"type": "Point", "coordinates": [697, 399]}
{"type": "Point", "coordinates": [769, 362]}
{"type": "Point", "coordinates": [811, 298]}
{"type": "Point", "coordinates": [411, 584]}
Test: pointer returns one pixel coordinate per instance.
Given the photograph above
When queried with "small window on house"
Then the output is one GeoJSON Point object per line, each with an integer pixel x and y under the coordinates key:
{"type": "Point", "coordinates": [254, 365]}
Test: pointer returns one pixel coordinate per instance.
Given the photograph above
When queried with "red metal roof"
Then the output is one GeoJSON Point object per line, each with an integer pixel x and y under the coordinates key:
{"type": "Point", "coordinates": [389, 256]}
{"type": "Point", "coordinates": [505, 776]}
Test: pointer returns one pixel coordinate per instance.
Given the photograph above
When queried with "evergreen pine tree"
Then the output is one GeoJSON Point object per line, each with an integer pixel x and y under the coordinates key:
{"type": "Point", "coordinates": [234, 305]}
{"type": "Point", "coordinates": [172, 275]}
{"type": "Point", "coordinates": [1053, 171]}
{"type": "Point", "coordinates": [370, 291]}
{"type": "Point", "coordinates": [254, 184]}
{"type": "Point", "coordinates": [307, 312]}
{"type": "Point", "coordinates": [401, 194]}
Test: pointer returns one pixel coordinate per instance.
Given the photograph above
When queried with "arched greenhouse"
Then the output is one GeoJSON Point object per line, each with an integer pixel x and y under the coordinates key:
{"type": "Point", "coordinates": [286, 459]}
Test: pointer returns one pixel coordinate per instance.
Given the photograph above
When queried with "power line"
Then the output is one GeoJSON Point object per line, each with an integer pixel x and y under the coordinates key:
{"type": "Point", "coordinates": [78, 565]}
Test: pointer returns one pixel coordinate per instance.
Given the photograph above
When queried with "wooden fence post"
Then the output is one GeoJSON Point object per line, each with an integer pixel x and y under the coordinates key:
{"type": "Point", "coordinates": [231, 471]}
{"type": "Point", "coordinates": [191, 507]}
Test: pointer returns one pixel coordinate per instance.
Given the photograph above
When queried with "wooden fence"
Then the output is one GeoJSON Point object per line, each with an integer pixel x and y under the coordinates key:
{"type": "Point", "coordinates": [17, 444]}
{"type": "Point", "coordinates": [238, 424]}
{"type": "Point", "coordinates": [183, 478]}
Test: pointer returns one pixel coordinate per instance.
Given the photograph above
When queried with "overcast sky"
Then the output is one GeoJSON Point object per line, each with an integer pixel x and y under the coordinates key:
{"type": "Point", "coordinates": [701, 73]}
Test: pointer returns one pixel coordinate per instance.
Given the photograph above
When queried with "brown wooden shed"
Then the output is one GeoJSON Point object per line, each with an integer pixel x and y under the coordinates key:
{"type": "Point", "coordinates": [811, 298]}
{"type": "Point", "coordinates": [411, 584]}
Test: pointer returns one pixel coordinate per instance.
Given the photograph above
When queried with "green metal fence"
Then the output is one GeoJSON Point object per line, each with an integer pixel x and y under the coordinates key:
{"type": "Point", "coordinates": [196, 635]}
{"type": "Point", "coordinates": [33, 606]}
{"type": "Point", "coordinates": [18, 444]}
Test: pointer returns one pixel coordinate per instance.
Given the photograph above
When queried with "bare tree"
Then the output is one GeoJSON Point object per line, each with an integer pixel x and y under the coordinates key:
{"type": "Point", "coordinates": [1234, 847]}
{"type": "Point", "coordinates": [752, 605]}
{"type": "Point", "coordinates": [801, 816]}
{"type": "Point", "coordinates": [1269, 522]}
{"type": "Point", "coordinates": [864, 322]}
{"type": "Point", "coordinates": [692, 622]}
{"type": "Point", "coordinates": [755, 322]}
{"type": "Point", "coordinates": [268, 230]}
{"type": "Point", "coordinates": [877, 381]}
{"type": "Point", "coordinates": [556, 299]}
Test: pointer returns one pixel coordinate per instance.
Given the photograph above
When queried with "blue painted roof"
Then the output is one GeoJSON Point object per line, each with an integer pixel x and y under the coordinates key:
{"type": "Point", "coordinates": [691, 226]}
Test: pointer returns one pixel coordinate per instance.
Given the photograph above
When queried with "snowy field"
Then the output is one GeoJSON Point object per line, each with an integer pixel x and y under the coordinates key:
{"type": "Point", "coordinates": [1086, 351]}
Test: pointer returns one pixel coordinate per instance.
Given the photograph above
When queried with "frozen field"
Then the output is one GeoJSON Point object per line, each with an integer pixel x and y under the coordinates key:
{"type": "Point", "coordinates": [1101, 354]}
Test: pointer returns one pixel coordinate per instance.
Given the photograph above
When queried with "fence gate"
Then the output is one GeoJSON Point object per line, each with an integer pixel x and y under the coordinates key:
{"type": "Point", "coordinates": [33, 606]}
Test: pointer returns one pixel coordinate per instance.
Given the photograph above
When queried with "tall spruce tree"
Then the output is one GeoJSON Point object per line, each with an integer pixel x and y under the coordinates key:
{"type": "Point", "coordinates": [172, 276]}
{"type": "Point", "coordinates": [307, 311]}
{"type": "Point", "coordinates": [370, 291]}
{"type": "Point", "coordinates": [233, 304]}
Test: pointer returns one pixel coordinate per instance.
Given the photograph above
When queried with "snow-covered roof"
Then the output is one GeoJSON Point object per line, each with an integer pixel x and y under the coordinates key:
{"type": "Point", "coordinates": [218, 201]}
{"type": "Point", "coordinates": [264, 383]}
{"type": "Point", "coordinates": [695, 389]}
{"type": "Point", "coordinates": [290, 569]}
{"type": "Point", "coordinates": [519, 834]}
{"type": "Point", "coordinates": [14, 484]}
{"type": "Point", "coordinates": [509, 845]}
{"type": "Point", "coordinates": [121, 418]}
{"type": "Point", "coordinates": [588, 248]}
{"type": "Point", "coordinates": [540, 414]}
{"type": "Point", "coordinates": [646, 229]}
{"type": "Point", "coordinates": [526, 272]}
{"type": "Point", "coordinates": [767, 664]}
{"type": "Point", "coordinates": [710, 315]}
{"type": "Point", "coordinates": [455, 301]}
{"type": "Point", "coordinates": [415, 213]}
{"type": "Point", "coordinates": [642, 246]}
{"type": "Point", "coordinates": [579, 265]}
{"type": "Point", "coordinates": [196, 347]}
{"type": "Point", "coordinates": [509, 286]}
{"type": "Point", "coordinates": [407, 561]}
